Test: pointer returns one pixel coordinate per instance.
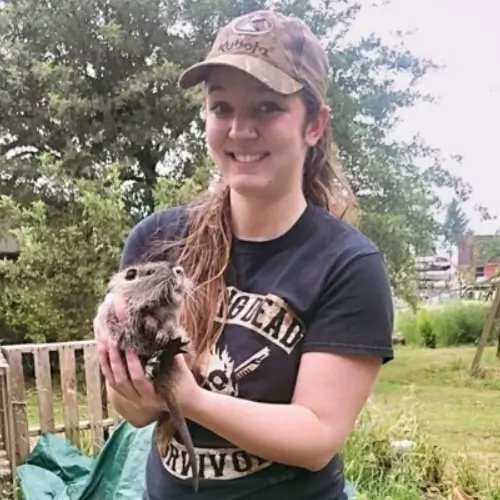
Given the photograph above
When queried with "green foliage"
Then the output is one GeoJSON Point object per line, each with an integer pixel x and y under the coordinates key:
{"type": "Point", "coordinates": [171, 192]}
{"type": "Point", "coordinates": [455, 224]}
{"type": "Point", "coordinates": [449, 324]}
{"type": "Point", "coordinates": [94, 82]}
{"type": "Point", "coordinates": [51, 292]}
{"type": "Point", "coordinates": [488, 250]}
{"type": "Point", "coordinates": [94, 85]}
{"type": "Point", "coordinates": [427, 331]}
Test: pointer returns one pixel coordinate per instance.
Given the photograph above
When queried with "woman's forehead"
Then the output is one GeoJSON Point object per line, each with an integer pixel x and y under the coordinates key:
{"type": "Point", "coordinates": [226, 79]}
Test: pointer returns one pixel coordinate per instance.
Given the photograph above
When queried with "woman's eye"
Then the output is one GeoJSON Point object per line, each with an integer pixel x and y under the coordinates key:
{"type": "Point", "coordinates": [270, 107]}
{"type": "Point", "coordinates": [220, 108]}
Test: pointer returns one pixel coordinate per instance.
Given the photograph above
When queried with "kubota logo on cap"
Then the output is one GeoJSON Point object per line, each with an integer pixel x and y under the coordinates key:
{"type": "Point", "coordinates": [254, 24]}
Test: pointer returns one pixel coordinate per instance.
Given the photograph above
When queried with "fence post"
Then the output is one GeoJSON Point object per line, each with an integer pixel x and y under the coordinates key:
{"type": "Point", "coordinates": [7, 419]}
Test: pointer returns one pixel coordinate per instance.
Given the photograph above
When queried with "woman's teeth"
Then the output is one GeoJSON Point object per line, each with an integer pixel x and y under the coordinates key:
{"type": "Point", "coordinates": [248, 158]}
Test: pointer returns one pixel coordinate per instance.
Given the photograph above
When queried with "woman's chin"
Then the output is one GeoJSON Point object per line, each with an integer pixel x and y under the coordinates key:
{"type": "Point", "coordinates": [250, 186]}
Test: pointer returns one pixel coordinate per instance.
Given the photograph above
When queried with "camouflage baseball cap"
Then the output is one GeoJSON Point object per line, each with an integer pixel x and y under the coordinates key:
{"type": "Point", "coordinates": [281, 51]}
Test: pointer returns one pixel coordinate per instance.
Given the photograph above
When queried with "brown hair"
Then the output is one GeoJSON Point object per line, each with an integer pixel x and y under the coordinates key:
{"type": "Point", "coordinates": [205, 250]}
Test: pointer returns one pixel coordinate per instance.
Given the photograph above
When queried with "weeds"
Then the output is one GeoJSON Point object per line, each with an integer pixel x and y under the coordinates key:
{"type": "Point", "coordinates": [389, 456]}
{"type": "Point", "coordinates": [450, 324]}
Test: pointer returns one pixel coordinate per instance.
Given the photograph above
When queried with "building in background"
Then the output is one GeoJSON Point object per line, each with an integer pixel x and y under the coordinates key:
{"type": "Point", "coordinates": [438, 278]}
{"type": "Point", "coordinates": [479, 256]}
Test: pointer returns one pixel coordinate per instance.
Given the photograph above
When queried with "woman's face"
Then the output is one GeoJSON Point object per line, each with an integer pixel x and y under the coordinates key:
{"type": "Point", "coordinates": [256, 136]}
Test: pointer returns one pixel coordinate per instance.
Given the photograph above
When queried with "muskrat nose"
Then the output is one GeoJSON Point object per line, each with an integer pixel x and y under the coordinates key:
{"type": "Point", "coordinates": [178, 271]}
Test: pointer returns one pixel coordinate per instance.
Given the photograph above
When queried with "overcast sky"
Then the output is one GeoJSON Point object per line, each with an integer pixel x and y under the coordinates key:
{"type": "Point", "coordinates": [464, 35]}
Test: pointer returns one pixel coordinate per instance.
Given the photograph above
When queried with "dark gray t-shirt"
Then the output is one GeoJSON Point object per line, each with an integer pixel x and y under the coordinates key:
{"type": "Point", "coordinates": [322, 286]}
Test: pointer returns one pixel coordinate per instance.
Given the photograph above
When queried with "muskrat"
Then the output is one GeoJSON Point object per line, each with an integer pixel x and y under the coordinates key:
{"type": "Point", "coordinates": [153, 294]}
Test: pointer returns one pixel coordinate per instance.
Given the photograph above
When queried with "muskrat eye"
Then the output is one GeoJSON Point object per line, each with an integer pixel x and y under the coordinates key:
{"type": "Point", "coordinates": [149, 272]}
{"type": "Point", "coordinates": [178, 271]}
{"type": "Point", "coordinates": [131, 274]}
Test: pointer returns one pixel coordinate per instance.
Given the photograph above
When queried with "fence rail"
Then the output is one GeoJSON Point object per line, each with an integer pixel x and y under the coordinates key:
{"type": "Point", "coordinates": [15, 425]}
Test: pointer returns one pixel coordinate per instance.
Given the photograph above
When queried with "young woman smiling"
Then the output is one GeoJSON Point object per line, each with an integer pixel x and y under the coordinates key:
{"type": "Point", "coordinates": [292, 316]}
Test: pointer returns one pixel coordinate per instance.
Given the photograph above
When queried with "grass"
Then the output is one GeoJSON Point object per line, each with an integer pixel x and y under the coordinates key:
{"type": "Point", "coordinates": [459, 412]}
{"type": "Point", "coordinates": [424, 396]}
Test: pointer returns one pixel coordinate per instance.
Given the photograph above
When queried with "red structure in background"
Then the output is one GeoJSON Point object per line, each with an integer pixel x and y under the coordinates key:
{"type": "Point", "coordinates": [468, 259]}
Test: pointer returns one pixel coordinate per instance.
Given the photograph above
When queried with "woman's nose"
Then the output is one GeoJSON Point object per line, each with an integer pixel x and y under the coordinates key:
{"type": "Point", "coordinates": [242, 127]}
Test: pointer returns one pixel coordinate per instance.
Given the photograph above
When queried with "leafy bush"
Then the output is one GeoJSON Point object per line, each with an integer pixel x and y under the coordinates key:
{"type": "Point", "coordinates": [449, 324]}
{"type": "Point", "coordinates": [51, 291]}
{"type": "Point", "coordinates": [390, 456]}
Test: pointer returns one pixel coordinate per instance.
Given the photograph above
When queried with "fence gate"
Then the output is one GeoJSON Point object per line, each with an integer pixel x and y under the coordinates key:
{"type": "Point", "coordinates": [18, 435]}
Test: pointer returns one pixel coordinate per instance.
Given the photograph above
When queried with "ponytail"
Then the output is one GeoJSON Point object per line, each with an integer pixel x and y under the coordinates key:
{"type": "Point", "coordinates": [324, 184]}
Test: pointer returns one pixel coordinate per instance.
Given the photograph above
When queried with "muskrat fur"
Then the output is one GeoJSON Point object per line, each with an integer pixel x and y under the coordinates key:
{"type": "Point", "coordinates": [153, 294]}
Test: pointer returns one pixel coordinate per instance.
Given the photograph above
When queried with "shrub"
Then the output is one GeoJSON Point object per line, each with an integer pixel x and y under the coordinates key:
{"type": "Point", "coordinates": [449, 324]}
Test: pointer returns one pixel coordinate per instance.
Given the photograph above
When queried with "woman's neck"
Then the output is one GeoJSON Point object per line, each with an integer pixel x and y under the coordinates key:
{"type": "Point", "coordinates": [258, 220]}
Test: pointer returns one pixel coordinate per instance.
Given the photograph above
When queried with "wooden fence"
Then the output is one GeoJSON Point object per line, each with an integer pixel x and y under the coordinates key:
{"type": "Point", "coordinates": [7, 431]}
{"type": "Point", "coordinates": [18, 434]}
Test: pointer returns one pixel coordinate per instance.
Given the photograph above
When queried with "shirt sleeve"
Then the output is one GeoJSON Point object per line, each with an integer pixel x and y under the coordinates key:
{"type": "Point", "coordinates": [166, 225]}
{"type": "Point", "coordinates": [356, 313]}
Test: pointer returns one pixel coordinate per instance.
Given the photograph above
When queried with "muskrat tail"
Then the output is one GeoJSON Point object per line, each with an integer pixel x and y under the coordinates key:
{"type": "Point", "coordinates": [181, 425]}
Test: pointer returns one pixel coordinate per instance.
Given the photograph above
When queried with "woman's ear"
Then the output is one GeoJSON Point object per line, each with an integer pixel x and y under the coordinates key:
{"type": "Point", "coordinates": [316, 128]}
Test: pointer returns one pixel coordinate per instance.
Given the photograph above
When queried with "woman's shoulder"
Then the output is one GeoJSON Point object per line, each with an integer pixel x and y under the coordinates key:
{"type": "Point", "coordinates": [354, 310]}
{"type": "Point", "coordinates": [327, 245]}
{"type": "Point", "coordinates": [338, 234]}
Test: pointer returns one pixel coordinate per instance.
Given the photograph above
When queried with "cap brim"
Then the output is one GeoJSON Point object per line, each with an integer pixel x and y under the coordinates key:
{"type": "Point", "coordinates": [263, 71]}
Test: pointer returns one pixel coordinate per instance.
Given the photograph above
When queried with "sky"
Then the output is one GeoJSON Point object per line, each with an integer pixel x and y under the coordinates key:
{"type": "Point", "coordinates": [463, 35]}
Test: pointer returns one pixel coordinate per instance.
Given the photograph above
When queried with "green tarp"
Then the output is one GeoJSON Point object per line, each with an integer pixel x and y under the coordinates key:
{"type": "Point", "coordinates": [56, 470]}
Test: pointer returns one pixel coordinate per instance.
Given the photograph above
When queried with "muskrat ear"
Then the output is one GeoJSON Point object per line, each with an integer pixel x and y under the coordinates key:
{"type": "Point", "coordinates": [131, 274]}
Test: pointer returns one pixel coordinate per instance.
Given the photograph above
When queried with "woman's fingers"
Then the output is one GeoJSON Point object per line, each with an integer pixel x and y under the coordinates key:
{"type": "Point", "coordinates": [138, 378]}
{"type": "Point", "coordinates": [123, 385]}
{"type": "Point", "coordinates": [103, 357]}
{"type": "Point", "coordinates": [119, 307]}
{"type": "Point", "coordinates": [101, 336]}
{"type": "Point", "coordinates": [127, 376]}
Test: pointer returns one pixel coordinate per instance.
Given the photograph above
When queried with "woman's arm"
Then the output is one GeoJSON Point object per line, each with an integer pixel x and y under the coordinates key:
{"type": "Point", "coordinates": [342, 353]}
{"type": "Point", "coordinates": [330, 393]}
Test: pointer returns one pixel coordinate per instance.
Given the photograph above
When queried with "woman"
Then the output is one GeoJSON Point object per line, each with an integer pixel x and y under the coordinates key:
{"type": "Point", "coordinates": [293, 315]}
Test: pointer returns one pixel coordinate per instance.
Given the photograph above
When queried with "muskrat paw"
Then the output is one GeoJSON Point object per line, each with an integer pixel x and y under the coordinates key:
{"type": "Point", "coordinates": [151, 368]}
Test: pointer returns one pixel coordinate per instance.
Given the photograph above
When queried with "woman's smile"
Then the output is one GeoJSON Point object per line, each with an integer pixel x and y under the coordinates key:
{"type": "Point", "coordinates": [247, 161]}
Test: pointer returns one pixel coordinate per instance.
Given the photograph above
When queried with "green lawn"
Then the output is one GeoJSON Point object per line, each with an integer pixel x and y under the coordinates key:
{"type": "Point", "coordinates": [458, 412]}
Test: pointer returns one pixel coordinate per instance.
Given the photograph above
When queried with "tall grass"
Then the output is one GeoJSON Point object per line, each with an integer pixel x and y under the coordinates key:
{"type": "Point", "coordinates": [452, 323]}
{"type": "Point", "coordinates": [389, 456]}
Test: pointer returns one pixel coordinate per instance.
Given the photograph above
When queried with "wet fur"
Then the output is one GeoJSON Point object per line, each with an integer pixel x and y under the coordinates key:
{"type": "Point", "coordinates": [153, 294]}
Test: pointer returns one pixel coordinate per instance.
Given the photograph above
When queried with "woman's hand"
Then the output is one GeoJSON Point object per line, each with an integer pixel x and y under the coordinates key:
{"type": "Point", "coordinates": [187, 389]}
{"type": "Point", "coordinates": [129, 380]}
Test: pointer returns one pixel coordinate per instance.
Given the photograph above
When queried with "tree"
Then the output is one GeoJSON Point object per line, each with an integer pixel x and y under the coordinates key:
{"type": "Point", "coordinates": [488, 250]}
{"type": "Point", "coordinates": [455, 224]}
{"type": "Point", "coordinates": [95, 134]}
{"type": "Point", "coordinates": [94, 82]}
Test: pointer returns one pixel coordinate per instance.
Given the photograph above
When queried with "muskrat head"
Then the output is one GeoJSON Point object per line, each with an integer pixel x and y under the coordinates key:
{"type": "Point", "coordinates": [162, 283]}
